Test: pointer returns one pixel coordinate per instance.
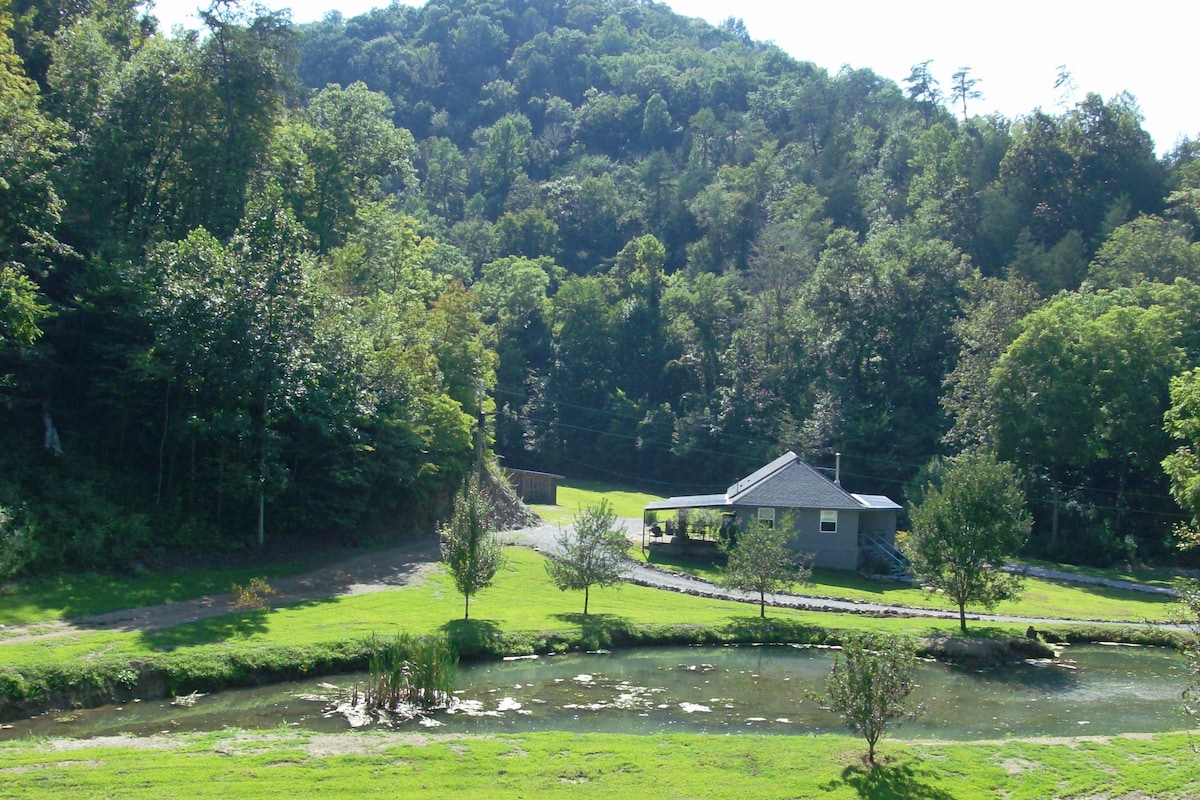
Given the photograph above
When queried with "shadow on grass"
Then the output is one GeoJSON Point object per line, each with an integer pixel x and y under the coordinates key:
{"type": "Point", "coordinates": [206, 631]}
{"type": "Point", "coordinates": [888, 782]}
{"type": "Point", "coordinates": [776, 629]}
{"type": "Point", "coordinates": [474, 637]}
{"type": "Point", "coordinates": [599, 631]}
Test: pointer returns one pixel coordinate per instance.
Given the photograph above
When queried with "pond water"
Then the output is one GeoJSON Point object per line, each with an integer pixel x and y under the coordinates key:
{"type": "Point", "coordinates": [1092, 689]}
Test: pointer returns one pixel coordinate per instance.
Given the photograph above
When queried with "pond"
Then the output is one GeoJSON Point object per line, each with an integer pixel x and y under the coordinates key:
{"type": "Point", "coordinates": [1093, 689]}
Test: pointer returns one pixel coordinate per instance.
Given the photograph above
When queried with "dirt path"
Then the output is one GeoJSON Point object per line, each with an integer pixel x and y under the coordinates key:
{"type": "Point", "coordinates": [372, 572]}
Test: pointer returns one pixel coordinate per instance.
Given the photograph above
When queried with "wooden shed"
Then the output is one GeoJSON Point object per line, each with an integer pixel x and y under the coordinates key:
{"type": "Point", "coordinates": [535, 487]}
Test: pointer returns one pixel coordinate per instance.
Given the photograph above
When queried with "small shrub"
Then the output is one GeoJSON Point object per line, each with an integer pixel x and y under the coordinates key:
{"type": "Point", "coordinates": [254, 596]}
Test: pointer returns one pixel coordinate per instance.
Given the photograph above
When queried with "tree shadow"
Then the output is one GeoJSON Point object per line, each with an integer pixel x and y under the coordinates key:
{"type": "Point", "coordinates": [206, 631]}
{"type": "Point", "coordinates": [888, 782]}
{"type": "Point", "coordinates": [775, 629]}
{"type": "Point", "coordinates": [472, 637]}
{"type": "Point", "coordinates": [600, 631]}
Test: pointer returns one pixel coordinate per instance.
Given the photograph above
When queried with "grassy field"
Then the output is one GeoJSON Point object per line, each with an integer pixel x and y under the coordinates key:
{"type": "Point", "coordinates": [270, 764]}
{"type": "Point", "coordinates": [1041, 598]}
{"type": "Point", "coordinates": [522, 600]}
{"type": "Point", "coordinates": [575, 495]}
{"type": "Point", "coordinates": [72, 596]}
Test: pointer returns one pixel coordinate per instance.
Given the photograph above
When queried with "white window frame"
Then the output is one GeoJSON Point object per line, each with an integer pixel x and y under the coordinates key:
{"type": "Point", "coordinates": [767, 517]}
{"type": "Point", "coordinates": [829, 517]}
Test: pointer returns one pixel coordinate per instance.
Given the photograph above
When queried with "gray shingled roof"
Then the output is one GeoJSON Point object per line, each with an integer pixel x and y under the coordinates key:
{"type": "Point", "coordinates": [787, 482]}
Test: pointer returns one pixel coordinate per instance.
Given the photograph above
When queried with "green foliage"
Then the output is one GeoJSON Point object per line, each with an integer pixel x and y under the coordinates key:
{"type": "Point", "coordinates": [1182, 421]}
{"type": "Point", "coordinates": [590, 553]}
{"type": "Point", "coordinates": [16, 544]}
{"type": "Point", "coordinates": [471, 551]}
{"type": "Point", "coordinates": [761, 559]}
{"type": "Point", "coordinates": [870, 683]}
{"type": "Point", "coordinates": [968, 522]}
{"type": "Point", "coordinates": [254, 596]}
{"type": "Point", "coordinates": [409, 671]}
{"type": "Point", "coordinates": [257, 317]}
{"type": "Point", "coordinates": [1191, 650]}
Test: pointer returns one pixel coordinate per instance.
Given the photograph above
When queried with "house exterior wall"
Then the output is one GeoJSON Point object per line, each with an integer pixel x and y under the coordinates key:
{"type": "Point", "coordinates": [881, 522]}
{"type": "Point", "coordinates": [830, 550]}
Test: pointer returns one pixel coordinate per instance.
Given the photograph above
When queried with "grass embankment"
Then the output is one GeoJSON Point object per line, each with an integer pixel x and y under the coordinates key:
{"type": "Point", "coordinates": [271, 764]}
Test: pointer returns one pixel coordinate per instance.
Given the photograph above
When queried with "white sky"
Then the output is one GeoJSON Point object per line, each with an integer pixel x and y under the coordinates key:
{"type": "Point", "coordinates": [1014, 47]}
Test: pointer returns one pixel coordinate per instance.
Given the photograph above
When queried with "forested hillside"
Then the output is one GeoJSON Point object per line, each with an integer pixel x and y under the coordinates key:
{"type": "Point", "coordinates": [265, 279]}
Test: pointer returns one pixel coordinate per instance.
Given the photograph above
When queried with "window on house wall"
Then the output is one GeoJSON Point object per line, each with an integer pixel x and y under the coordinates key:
{"type": "Point", "coordinates": [828, 522]}
{"type": "Point", "coordinates": [767, 517]}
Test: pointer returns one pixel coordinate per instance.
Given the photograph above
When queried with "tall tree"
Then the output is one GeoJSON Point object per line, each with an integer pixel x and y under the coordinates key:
{"type": "Point", "coordinates": [471, 551]}
{"type": "Point", "coordinates": [963, 89]}
{"type": "Point", "coordinates": [762, 560]}
{"type": "Point", "coordinates": [590, 553]}
{"type": "Point", "coordinates": [970, 519]}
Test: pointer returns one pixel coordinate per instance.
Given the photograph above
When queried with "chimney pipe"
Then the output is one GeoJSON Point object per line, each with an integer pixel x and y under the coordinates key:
{"type": "Point", "coordinates": [837, 470]}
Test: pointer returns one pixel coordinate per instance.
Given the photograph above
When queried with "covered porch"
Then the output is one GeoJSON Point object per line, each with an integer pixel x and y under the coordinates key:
{"type": "Point", "coordinates": [688, 524]}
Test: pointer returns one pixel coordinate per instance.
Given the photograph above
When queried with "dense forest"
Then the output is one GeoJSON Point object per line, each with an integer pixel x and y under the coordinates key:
{"type": "Point", "coordinates": [265, 280]}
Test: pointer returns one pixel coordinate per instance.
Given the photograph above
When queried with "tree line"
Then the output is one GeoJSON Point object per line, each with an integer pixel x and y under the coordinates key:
{"type": "Point", "coordinates": [267, 278]}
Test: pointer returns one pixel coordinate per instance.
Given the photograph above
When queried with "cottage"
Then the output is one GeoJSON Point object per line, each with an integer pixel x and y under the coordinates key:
{"type": "Point", "coordinates": [841, 530]}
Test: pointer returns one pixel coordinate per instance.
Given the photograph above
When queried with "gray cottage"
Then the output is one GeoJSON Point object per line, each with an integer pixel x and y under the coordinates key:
{"type": "Point", "coordinates": [841, 530]}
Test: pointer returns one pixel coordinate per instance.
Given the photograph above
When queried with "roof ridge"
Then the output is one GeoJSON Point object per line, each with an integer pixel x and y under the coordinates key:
{"type": "Point", "coordinates": [761, 474]}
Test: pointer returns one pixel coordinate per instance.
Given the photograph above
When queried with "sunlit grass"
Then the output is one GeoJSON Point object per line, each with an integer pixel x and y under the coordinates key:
{"type": "Point", "coordinates": [522, 600]}
{"type": "Point", "coordinates": [575, 495]}
{"type": "Point", "coordinates": [1041, 597]}
{"type": "Point", "coordinates": [241, 764]}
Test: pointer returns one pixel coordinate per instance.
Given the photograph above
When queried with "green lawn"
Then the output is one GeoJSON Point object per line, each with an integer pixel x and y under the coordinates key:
{"type": "Point", "coordinates": [1041, 598]}
{"type": "Point", "coordinates": [1146, 575]}
{"type": "Point", "coordinates": [73, 596]}
{"type": "Point", "coordinates": [574, 495]}
{"type": "Point", "coordinates": [523, 600]}
{"type": "Point", "coordinates": [240, 764]}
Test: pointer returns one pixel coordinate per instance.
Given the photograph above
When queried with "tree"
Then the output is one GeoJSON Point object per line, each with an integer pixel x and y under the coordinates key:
{"type": "Point", "coordinates": [1182, 422]}
{"type": "Point", "coordinates": [761, 560]}
{"type": "Point", "coordinates": [970, 519]}
{"type": "Point", "coordinates": [870, 683]}
{"type": "Point", "coordinates": [471, 552]}
{"type": "Point", "coordinates": [963, 89]}
{"type": "Point", "coordinates": [590, 553]}
{"type": "Point", "coordinates": [1191, 650]}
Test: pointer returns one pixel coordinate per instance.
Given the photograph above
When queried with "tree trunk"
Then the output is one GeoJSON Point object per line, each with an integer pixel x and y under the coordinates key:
{"type": "Point", "coordinates": [962, 616]}
{"type": "Point", "coordinates": [467, 606]}
{"type": "Point", "coordinates": [762, 605]}
{"type": "Point", "coordinates": [1054, 524]}
{"type": "Point", "coordinates": [585, 600]}
{"type": "Point", "coordinates": [262, 473]}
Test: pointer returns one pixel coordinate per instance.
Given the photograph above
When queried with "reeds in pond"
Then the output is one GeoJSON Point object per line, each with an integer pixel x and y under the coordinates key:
{"type": "Point", "coordinates": [410, 671]}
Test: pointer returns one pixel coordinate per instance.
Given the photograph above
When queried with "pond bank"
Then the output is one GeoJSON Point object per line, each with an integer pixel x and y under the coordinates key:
{"type": "Point", "coordinates": [214, 668]}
